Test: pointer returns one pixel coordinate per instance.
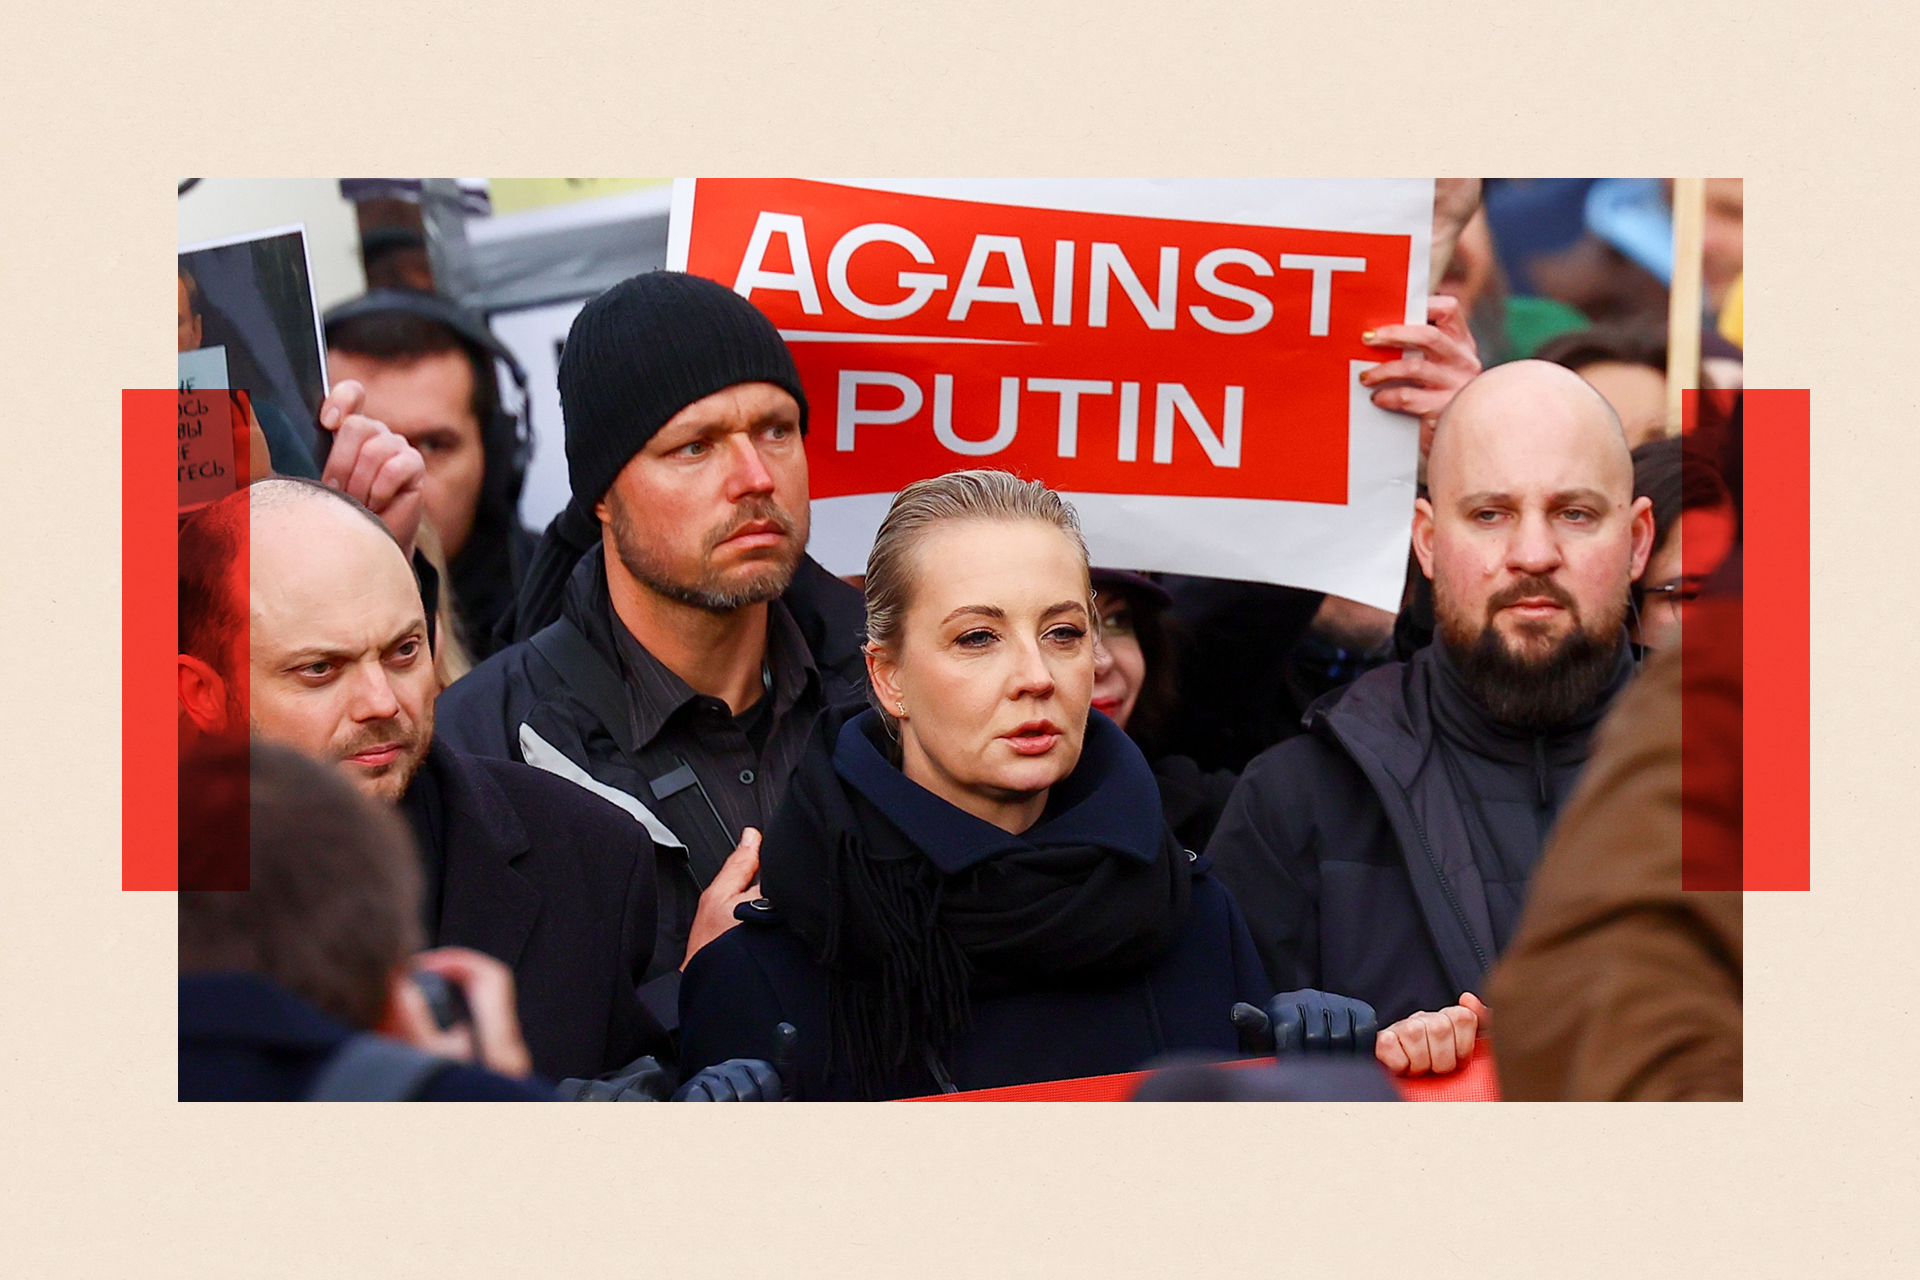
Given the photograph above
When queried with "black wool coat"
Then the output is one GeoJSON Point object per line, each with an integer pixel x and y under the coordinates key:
{"type": "Point", "coordinates": [556, 883]}
{"type": "Point", "coordinates": [1024, 1028]}
{"type": "Point", "coordinates": [753, 977]}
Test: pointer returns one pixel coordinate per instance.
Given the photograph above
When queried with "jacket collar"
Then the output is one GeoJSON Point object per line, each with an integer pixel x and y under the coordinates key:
{"type": "Point", "coordinates": [485, 902]}
{"type": "Point", "coordinates": [590, 607]}
{"type": "Point", "coordinates": [1399, 708]}
{"type": "Point", "coordinates": [1109, 801]}
{"type": "Point", "coordinates": [1461, 718]}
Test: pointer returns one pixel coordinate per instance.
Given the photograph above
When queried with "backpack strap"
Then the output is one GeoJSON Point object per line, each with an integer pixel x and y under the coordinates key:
{"type": "Point", "coordinates": [371, 1068]}
{"type": "Point", "coordinates": [599, 688]}
{"type": "Point", "coordinates": [595, 683]}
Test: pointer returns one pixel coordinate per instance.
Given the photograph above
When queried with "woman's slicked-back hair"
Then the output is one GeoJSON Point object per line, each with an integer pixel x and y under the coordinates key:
{"type": "Point", "coordinates": [983, 495]}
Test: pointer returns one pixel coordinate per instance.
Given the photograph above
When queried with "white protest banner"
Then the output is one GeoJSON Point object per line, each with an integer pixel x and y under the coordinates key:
{"type": "Point", "coordinates": [1179, 358]}
{"type": "Point", "coordinates": [204, 456]}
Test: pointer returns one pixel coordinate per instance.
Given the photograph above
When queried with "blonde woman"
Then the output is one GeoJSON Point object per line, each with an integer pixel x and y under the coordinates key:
{"type": "Point", "coordinates": [971, 883]}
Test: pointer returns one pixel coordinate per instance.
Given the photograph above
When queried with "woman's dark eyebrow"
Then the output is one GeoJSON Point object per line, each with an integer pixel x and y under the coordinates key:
{"type": "Point", "coordinates": [999, 614]}
{"type": "Point", "coordinates": [984, 610]}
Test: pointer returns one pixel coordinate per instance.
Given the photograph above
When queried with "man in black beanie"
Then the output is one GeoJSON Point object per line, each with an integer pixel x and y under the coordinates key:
{"type": "Point", "coordinates": [675, 639]}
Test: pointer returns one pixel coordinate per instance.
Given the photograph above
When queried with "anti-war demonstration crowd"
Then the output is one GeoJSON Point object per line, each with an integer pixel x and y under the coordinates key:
{"type": "Point", "coordinates": [652, 806]}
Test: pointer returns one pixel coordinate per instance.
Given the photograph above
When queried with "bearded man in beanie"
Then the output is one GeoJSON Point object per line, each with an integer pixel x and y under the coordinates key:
{"type": "Point", "coordinates": [676, 641]}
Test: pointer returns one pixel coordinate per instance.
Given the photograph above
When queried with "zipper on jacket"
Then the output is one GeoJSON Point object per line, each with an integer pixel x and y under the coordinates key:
{"type": "Point", "coordinates": [1446, 887]}
{"type": "Point", "coordinates": [1540, 767]}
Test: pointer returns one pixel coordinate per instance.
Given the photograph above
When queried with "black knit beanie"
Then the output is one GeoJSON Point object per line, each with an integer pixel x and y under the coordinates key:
{"type": "Point", "coordinates": [646, 349]}
{"type": "Point", "coordinates": [636, 355]}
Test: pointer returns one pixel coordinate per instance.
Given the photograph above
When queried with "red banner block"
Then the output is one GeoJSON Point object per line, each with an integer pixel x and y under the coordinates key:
{"type": "Point", "coordinates": [1475, 1082]}
{"type": "Point", "coordinates": [1776, 745]}
{"type": "Point", "coordinates": [149, 603]}
{"type": "Point", "coordinates": [1099, 353]}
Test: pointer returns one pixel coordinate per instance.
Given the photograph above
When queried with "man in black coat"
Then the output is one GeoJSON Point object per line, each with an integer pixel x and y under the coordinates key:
{"type": "Point", "coordinates": [1384, 853]}
{"type": "Point", "coordinates": [676, 642]}
{"type": "Point", "coordinates": [520, 865]}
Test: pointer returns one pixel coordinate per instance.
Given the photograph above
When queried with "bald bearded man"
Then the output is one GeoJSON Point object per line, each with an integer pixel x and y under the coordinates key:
{"type": "Point", "coordinates": [1384, 853]}
{"type": "Point", "coordinates": [315, 634]}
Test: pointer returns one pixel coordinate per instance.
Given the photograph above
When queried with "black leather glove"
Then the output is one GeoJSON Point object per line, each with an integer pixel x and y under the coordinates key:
{"type": "Point", "coordinates": [747, 1079]}
{"type": "Point", "coordinates": [642, 1080]}
{"type": "Point", "coordinates": [735, 1080]}
{"type": "Point", "coordinates": [1307, 1021]}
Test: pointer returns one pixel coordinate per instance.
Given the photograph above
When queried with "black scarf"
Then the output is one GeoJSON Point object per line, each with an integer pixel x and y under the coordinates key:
{"type": "Point", "coordinates": [912, 905]}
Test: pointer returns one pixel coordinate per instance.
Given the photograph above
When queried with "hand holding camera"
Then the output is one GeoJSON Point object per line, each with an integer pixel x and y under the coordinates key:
{"type": "Point", "coordinates": [459, 1004]}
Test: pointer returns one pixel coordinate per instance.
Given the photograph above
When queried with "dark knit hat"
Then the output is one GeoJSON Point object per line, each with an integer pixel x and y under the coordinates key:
{"type": "Point", "coordinates": [646, 349]}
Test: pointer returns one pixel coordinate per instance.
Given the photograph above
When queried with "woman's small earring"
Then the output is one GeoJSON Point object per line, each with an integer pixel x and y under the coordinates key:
{"type": "Point", "coordinates": [902, 706]}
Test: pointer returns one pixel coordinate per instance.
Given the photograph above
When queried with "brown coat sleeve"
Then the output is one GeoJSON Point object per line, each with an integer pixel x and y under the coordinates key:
{"type": "Point", "coordinates": [1620, 984]}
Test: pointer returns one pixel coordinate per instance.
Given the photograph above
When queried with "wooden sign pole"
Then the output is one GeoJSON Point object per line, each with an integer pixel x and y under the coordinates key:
{"type": "Point", "coordinates": [1683, 298]}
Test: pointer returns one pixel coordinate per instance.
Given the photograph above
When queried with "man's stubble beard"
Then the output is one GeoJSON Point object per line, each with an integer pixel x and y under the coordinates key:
{"type": "Point", "coordinates": [1532, 691]}
{"type": "Point", "coordinates": [706, 593]}
{"type": "Point", "coordinates": [390, 785]}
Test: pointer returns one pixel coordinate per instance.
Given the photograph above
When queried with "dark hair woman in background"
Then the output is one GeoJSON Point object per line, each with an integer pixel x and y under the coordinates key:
{"type": "Point", "coordinates": [971, 884]}
{"type": "Point", "coordinates": [1136, 686]}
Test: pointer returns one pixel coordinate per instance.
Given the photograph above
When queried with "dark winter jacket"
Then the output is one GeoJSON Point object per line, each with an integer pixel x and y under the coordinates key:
{"type": "Point", "coordinates": [245, 1038]}
{"type": "Point", "coordinates": [556, 884]}
{"type": "Point", "coordinates": [1023, 1029]}
{"type": "Point", "coordinates": [1384, 853]}
{"type": "Point", "coordinates": [560, 703]}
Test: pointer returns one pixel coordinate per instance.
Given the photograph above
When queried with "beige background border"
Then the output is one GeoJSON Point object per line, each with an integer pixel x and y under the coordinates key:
{"type": "Point", "coordinates": [105, 1175]}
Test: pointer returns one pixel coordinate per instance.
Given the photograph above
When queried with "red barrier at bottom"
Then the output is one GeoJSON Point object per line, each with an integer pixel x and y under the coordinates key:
{"type": "Point", "coordinates": [1475, 1082]}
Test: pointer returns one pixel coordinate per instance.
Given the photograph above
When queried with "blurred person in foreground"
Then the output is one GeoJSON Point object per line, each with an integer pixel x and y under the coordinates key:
{"type": "Point", "coordinates": [427, 366]}
{"type": "Point", "coordinates": [970, 884]}
{"type": "Point", "coordinates": [681, 640]}
{"type": "Point", "coordinates": [1385, 852]}
{"type": "Point", "coordinates": [288, 978]}
{"type": "Point", "coordinates": [1621, 983]}
{"type": "Point", "coordinates": [327, 636]}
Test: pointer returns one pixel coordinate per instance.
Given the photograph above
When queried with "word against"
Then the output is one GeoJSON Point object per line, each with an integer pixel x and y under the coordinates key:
{"type": "Point", "coordinates": [1006, 257]}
